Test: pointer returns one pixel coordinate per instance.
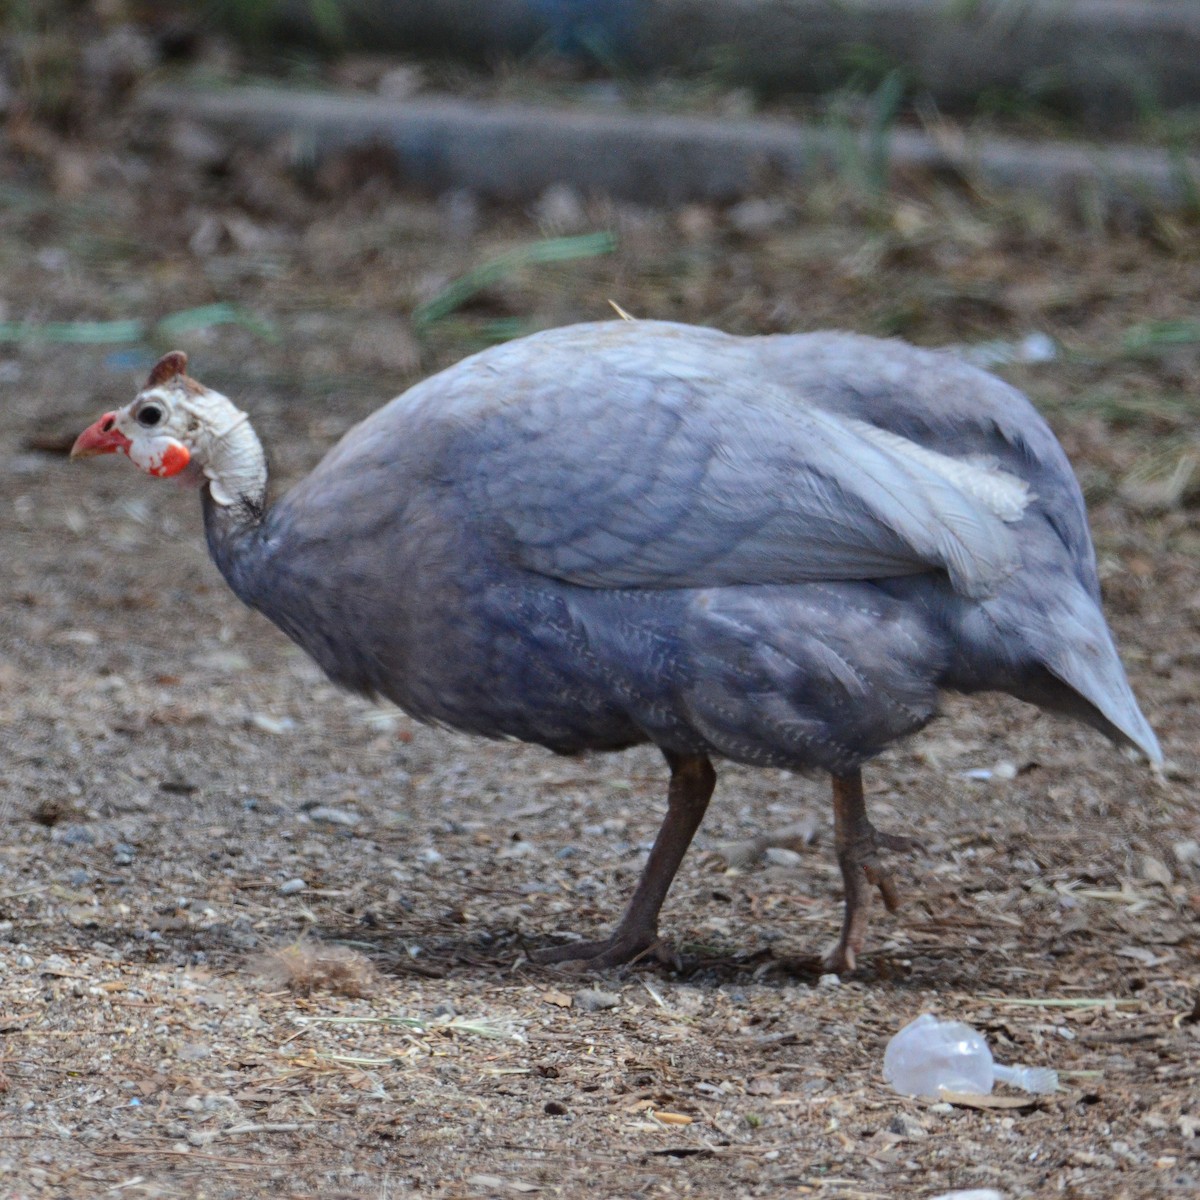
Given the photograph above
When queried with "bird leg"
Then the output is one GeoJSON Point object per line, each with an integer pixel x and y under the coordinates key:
{"type": "Point", "coordinates": [691, 787]}
{"type": "Point", "coordinates": [858, 844]}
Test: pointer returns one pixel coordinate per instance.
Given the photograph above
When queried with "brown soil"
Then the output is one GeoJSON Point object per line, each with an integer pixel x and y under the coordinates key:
{"type": "Point", "coordinates": [173, 1023]}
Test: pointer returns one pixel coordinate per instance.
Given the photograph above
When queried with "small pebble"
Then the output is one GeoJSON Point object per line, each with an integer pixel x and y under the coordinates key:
{"type": "Point", "coordinates": [445, 1009]}
{"type": "Point", "coordinates": [755, 216]}
{"type": "Point", "coordinates": [334, 816]}
{"type": "Point", "coordinates": [79, 877]}
{"type": "Point", "coordinates": [221, 660]}
{"type": "Point", "coordinates": [907, 1127]}
{"type": "Point", "coordinates": [1000, 773]}
{"type": "Point", "coordinates": [76, 835]}
{"type": "Point", "coordinates": [25, 961]}
{"type": "Point", "coordinates": [780, 856]}
{"type": "Point", "coordinates": [517, 849]}
{"type": "Point", "coordinates": [829, 981]}
{"type": "Point", "coordinates": [1187, 852]}
{"type": "Point", "coordinates": [1037, 348]}
{"type": "Point", "coordinates": [292, 887]}
{"type": "Point", "coordinates": [556, 1108]}
{"type": "Point", "coordinates": [590, 1000]}
{"type": "Point", "coordinates": [1154, 870]}
{"type": "Point", "coordinates": [269, 724]}
{"type": "Point", "coordinates": [123, 854]}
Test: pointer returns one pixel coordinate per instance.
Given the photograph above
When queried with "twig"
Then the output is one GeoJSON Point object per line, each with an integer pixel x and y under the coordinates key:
{"type": "Point", "coordinates": [37, 887]}
{"type": "Point", "coordinates": [179, 1152]}
{"type": "Point", "coordinates": [268, 1127]}
{"type": "Point", "coordinates": [1061, 1002]}
{"type": "Point", "coordinates": [654, 995]}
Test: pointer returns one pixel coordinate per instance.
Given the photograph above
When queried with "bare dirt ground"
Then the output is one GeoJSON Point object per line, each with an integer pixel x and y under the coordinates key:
{"type": "Point", "coordinates": [195, 821]}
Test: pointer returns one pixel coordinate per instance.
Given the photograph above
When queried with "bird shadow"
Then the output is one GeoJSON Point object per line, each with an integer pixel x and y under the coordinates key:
{"type": "Point", "coordinates": [439, 948]}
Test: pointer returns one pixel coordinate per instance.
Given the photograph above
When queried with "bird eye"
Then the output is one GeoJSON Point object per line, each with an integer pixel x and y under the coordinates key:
{"type": "Point", "coordinates": [149, 415]}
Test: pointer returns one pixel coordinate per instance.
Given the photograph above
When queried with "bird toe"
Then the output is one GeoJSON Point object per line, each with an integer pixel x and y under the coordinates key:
{"type": "Point", "coordinates": [621, 949]}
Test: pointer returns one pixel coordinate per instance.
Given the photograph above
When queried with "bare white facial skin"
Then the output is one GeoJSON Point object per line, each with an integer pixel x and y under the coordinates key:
{"type": "Point", "coordinates": [155, 427]}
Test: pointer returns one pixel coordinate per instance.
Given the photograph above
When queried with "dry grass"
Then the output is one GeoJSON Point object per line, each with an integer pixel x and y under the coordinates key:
{"type": "Point", "coordinates": [306, 966]}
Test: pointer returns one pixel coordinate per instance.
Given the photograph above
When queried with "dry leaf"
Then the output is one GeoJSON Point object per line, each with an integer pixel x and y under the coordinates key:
{"type": "Point", "coordinates": [1144, 956]}
{"type": "Point", "coordinates": [671, 1118]}
{"type": "Point", "coordinates": [559, 999]}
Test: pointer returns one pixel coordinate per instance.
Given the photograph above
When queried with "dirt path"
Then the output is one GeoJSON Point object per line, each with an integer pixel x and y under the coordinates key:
{"type": "Point", "coordinates": [184, 796]}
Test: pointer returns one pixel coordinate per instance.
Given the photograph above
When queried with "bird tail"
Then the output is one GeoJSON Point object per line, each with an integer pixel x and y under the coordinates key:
{"type": "Point", "coordinates": [1074, 644]}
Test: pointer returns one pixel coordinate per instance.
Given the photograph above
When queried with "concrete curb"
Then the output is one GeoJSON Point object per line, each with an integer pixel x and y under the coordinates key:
{"type": "Point", "coordinates": [514, 152]}
{"type": "Point", "coordinates": [1096, 57]}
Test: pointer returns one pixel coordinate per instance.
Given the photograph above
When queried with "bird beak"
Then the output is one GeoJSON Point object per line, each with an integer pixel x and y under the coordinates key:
{"type": "Point", "coordinates": [101, 438]}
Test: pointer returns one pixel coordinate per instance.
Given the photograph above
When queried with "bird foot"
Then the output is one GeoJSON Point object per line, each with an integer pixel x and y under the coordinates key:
{"type": "Point", "coordinates": [862, 869]}
{"type": "Point", "coordinates": [620, 948]}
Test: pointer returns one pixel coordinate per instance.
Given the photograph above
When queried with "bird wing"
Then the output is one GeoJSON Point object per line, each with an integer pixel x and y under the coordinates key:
{"type": "Point", "coordinates": [672, 463]}
{"type": "Point", "coordinates": [935, 398]}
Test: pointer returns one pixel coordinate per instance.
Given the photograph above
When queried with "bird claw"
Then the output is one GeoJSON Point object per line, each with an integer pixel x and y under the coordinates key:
{"type": "Point", "coordinates": [619, 949]}
{"type": "Point", "coordinates": [841, 960]}
{"type": "Point", "coordinates": [860, 862]}
{"type": "Point", "coordinates": [881, 878]}
{"type": "Point", "coordinates": [864, 854]}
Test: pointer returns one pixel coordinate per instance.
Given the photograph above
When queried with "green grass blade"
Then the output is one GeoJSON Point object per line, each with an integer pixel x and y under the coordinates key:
{"type": "Point", "coordinates": [551, 250]}
{"type": "Point", "coordinates": [1153, 337]}
{"type": "Point", "coordinates": [190, 319]}
{"type": "Point", "coordinates": [80, 333]}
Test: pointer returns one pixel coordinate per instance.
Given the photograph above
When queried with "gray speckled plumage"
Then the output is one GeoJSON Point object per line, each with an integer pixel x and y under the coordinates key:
{"type": "Point", "coordinates": [639, 531]}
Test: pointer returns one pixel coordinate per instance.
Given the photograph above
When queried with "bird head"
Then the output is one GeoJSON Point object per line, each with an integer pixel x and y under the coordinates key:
{"type": "Point", "coordinates": [176, 427]}
{"type": "Point", "coordinates": [157, 431]}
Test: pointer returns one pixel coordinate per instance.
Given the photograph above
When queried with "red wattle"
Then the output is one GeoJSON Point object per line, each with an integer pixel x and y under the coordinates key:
{"type": "Point", "coordinates": [175, 458]}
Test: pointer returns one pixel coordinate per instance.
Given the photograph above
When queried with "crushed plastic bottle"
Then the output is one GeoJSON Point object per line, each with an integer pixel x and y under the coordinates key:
{"type": "Point", "coordinates": [929, 1056]}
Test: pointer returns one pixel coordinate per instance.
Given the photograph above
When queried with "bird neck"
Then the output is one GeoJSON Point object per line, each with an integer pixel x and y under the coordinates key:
{"type": "Point", "coordinates": [234, 499]}
{"type": "Point", "coordinates": [234, 463]}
